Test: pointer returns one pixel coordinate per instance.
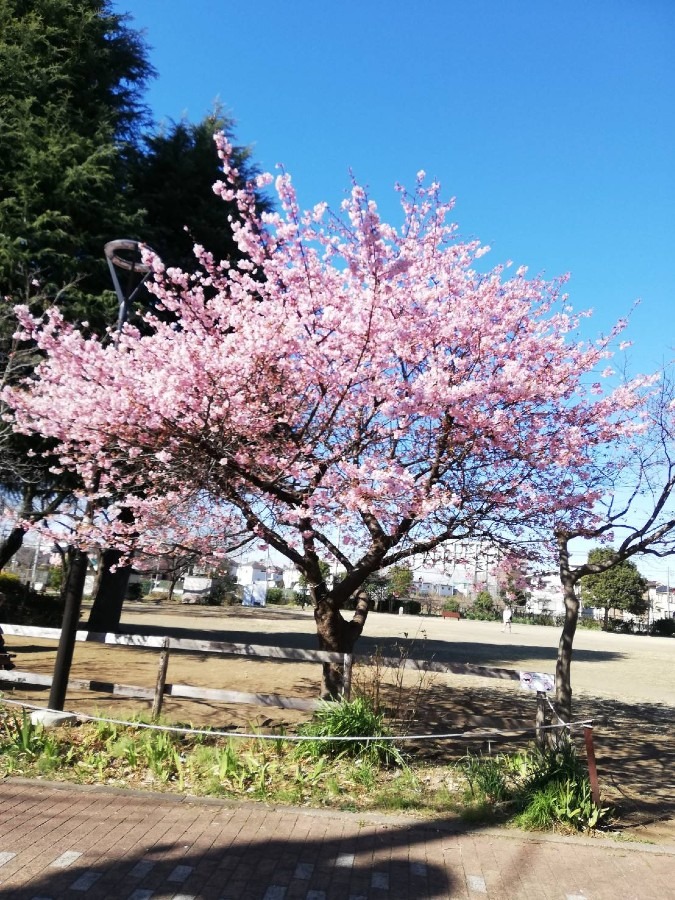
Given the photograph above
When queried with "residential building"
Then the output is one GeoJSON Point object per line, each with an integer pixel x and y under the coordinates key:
{"type": "Point", "coordinates": [661, 601]}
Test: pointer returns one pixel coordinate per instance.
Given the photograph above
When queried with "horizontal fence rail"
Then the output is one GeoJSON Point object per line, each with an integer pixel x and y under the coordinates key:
{"type": "Point", "coordinates": [165, 644]}
{"type": "Point", "coordinates": [448, 668]}
{"type": "Point", "coordinates": [180, 691]}
{"type": "Point", "coordinates": [190, 645]}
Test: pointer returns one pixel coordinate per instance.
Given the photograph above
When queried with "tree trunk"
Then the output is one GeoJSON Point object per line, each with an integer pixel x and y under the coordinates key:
{"type": "Point", "coordinates": [606, 623]}
{"type": "Point", "coordinates": [563, 668]}
{"type": "Point", "coordinates": [172, 587]}
{"type": "Point", "coordinates": [337, 635]}
{"type": "Point", "coordinates": [111, 590]}
{"type": "Point", "coordinates": [14, 540]}
{"type": "Point", "coordinates": [11, 545]}
{"type": "Point", "coordinates": [71, 616]}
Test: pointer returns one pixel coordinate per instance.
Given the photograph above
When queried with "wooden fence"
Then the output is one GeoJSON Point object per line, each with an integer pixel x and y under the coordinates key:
{"type": "Point", "coordinates": [166, 644]}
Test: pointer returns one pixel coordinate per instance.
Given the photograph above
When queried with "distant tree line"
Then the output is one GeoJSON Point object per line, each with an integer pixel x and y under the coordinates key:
{"type": "Point", "coordinates": [82, 163]}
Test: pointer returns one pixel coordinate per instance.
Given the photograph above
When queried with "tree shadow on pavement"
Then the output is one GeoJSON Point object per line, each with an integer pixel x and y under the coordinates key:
{"type": "Point", "coordinates": [220, 851]}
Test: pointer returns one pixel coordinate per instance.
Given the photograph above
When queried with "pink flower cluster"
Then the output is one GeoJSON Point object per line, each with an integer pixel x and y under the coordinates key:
{"type": "Point", "coordinates": [347, 374]}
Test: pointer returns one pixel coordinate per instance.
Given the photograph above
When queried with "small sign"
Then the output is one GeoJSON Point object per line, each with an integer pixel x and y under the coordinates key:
{"type": "Point", "coordinates": [537, 681]}
{"type": "Point", "coordinates": [196, 584]}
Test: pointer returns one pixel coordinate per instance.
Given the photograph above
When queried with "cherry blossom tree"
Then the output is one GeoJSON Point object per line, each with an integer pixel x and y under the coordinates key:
{"type": "Point", "coordinates": [629, 505]}
{"type": "Point", "coordinates": [349, 391]}
{"type": "Point", "coordinates": [513, 579]}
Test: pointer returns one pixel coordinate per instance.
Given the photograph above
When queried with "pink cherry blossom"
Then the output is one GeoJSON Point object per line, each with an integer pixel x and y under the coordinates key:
{"type": "Point", "coordinates": [347, 376]}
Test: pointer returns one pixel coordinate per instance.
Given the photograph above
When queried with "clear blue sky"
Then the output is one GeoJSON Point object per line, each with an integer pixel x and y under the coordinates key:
{"type": "Point", "coordinates": [551, 121]}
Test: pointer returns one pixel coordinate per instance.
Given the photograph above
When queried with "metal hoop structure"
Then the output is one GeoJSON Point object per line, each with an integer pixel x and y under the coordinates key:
{"type": "Point", "coordinates": [125, 255]}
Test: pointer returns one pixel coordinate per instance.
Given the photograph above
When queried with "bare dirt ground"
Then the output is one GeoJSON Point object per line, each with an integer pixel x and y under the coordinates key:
{"type": "Point", "coordinates": [625, 683]}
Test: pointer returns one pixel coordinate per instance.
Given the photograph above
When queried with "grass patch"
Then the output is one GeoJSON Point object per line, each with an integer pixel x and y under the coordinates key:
{"type": "Point", "coordinates": [359, 731]}
{"type": "Point", "coordinates": [529, 789]}
{"type": "Point", "coordinates": [534, 790]}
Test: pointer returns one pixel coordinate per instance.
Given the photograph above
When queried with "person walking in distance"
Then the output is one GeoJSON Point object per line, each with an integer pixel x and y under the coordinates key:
{"type": "Point", "coordinates": [506, 619]}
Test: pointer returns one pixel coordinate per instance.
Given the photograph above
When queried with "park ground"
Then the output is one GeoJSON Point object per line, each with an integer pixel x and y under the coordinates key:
{"type": "Point", "coordinates": [624, 683]}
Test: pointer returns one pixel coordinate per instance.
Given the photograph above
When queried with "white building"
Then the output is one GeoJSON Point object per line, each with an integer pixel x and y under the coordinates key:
{"type": "Point", "coordinates": [546, 596]}
{"type": "Point", "coordinates": [259, 572]}
{"type": "Point", "coordinates": [256, 577]}
{"type": "Point", "coordinates": [291, 579]}
{"type": "Point", "coordinates": [430, 581]}
{"type": "Point", "coordinates": [661, 601]}
{"type": "Point", "coordinates": [457, 567]}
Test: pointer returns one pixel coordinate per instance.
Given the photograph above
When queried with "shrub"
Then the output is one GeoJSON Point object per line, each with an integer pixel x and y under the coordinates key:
{"type": "Point", "coordinates": [346, 719]}
{"type": "Point", "coordinates": [412, 607]}
{"type": "Point", "coordinates": [274, 595]}
{"type": "Point", "coordinates": [550, 619]}
{"type": "Point", "coordinates": [134, 591]}
{"type": "Point", "coordinates": [55, 579]}
{"type": "Point", "coordinates": [525, 619]}
{"type": "Point", "coordinates": [11, 585]}
{"type": "Point", "coordinates": [664, 627]}
{"type": "Point", "coordinates": [23, 606]}
{"type": "Point", "coordinates": [482, 608]}
{"type": "Point", "coordinates": [540, 789]}
{"type": "Point", "coordinates": [547, 619]}
{"type": "Point", "coordinates": [557, 791]}
{"type": "Point", "coordinates": [223, 591]}
{"type": "Point", "coordinates": [591, 624]}
{"type": "Point", "coordinates": [451, 606]}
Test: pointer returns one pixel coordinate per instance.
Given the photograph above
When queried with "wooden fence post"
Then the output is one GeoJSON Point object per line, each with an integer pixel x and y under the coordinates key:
{"type": "Point", "coordinates": [592, 767]}
{"type": "Point", "coordinates": [540, 721]}
{"type": "Point", "coordinates": [347, 685]}
{"type": "Point", "coordinates": [161, 680]}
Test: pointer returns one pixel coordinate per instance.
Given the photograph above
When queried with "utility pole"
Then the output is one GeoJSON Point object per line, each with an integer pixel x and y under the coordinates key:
{"type": "Point", "coordinates": [124, 255]}
{"type": "Point", "coordinates": [668, 590]}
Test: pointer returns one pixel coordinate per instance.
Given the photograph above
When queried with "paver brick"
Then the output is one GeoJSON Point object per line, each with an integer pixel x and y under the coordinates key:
{"type": "Point", "coordinates": [137, 846]}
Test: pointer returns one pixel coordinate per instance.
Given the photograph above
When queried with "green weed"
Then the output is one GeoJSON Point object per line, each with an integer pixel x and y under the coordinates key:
{"type": "Point", "coordinates": [349, 719]}
{"type": "Point", "coordinates": [23, 735]}
{"type": "Point", "coordinates": [531, 789]}
{"type": "Point", "coordinates": [541, 790]}
{"type": "Point", "coordinates": [227, 762]}
{"type": "Point", "coordinates": [487, 777]}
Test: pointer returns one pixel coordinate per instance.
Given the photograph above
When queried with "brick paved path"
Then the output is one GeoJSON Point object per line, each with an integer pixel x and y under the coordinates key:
{"type": "Point", "coordinates": [93, 843]}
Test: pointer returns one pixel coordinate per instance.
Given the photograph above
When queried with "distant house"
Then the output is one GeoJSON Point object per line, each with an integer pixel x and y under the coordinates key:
{"type": "Point", "coordinates": [460, 568]}
{"type": "Point", "coordinates": [259, 572]}
{"type": "Point", "coordinates": [546, 596]}
{"type": "Point", "coordinates": [291, 579]}
{"type": "Point", "coordinates": [457, 567]}
{"type": "Point", "coordinates": [661, 601]}
{"type": "Point", "coordinates": [255, 577]}
{"type": "Point", "coordinates": [430, 581]}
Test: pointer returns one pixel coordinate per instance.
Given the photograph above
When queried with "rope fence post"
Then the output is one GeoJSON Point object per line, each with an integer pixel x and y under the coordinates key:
{"type": "Point", "coordinates": [592, 767]}
{"type": "Point", "coordinates": [540, 721]}
{"type": "Point", "coordinates": [161, 680]}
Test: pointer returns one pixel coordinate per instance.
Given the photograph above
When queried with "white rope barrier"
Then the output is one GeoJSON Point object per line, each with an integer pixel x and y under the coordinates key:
{"type": "Point", "coordinates": [555, 713]}
{"type": "Point", "coordinates": [588, 723]}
